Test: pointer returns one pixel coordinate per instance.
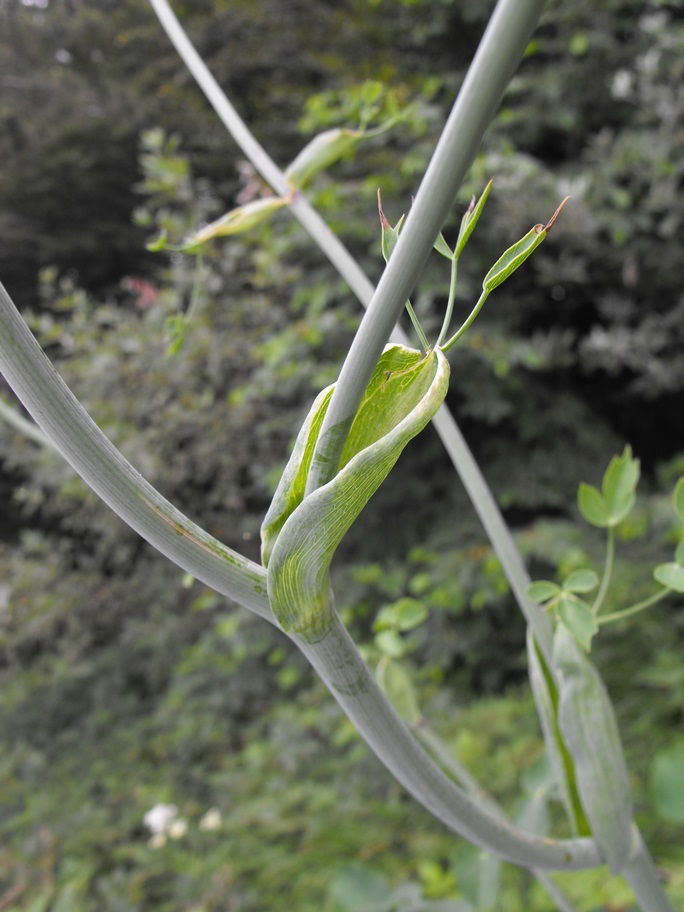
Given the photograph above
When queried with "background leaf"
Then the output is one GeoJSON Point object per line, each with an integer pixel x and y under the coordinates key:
{"type": "Point", "coordinates": [667, 783]}
{"type": "Point", "coordinates": [592, 505]}
{"type": "Point", "coordinates": [670, 575]}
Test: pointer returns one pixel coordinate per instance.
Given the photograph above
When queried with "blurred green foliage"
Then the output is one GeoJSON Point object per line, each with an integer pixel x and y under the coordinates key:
{"type": "Point", "coordinates": [125, 686]}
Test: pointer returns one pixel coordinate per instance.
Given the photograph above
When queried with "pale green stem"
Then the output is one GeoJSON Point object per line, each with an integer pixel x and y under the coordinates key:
{"type": "Point", "coordinates": [497, 57]}
{"type": "Point", "coordinates": [468, 322]}
{"type": "Point", "coordinates": [76, 436]}
{"type": "Point", "coordinates": [418, 328]}
{"type": "Point", "coordinates": [634, 609]}
{"type": "Point", "coordinates": [348, 268]}
{"type": "Point", "coordinates": [336, 659]}
{"type": "Point", "coordinates": [497, 531]}
{"type": "Point", "coordinates": [607, 571]}
{"type": "Point", "coordinates": [450, 303]}
{"type": "Point", "coordinates": [642, 877]}
{"type": "Point", "coordinates": [310, 220]}
{"type": "Point", "coordinates": [462, 774]}
{"type": "Point", "coordinates": [27, 428]}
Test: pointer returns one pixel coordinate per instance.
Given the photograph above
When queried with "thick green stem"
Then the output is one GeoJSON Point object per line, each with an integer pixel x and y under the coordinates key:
{"type": "Point", "coordinates": [336, 659]}
{"type": "Point", "coordinates": [25, 427]}
{"type": "Point", "coordinates": [340, 666]}
{"type": "Point", "coordinates": [642, 877]}
{"type": "Point", "coordinates": [500, 51]}
{"type": "Point", "coordinates": [348, 268]}
{"type": "Point", "coordinates": [461, 774]}
{"type": "Point", "coordinates": [76, 436]}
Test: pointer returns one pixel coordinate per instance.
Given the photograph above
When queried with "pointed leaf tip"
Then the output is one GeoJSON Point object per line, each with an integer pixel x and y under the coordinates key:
{"type": "Point", "coordinates": [549, 225]}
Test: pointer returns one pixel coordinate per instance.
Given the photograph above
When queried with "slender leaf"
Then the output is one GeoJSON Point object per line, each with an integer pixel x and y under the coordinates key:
{"type": "Point", "coordinates": [470, 220]}
{"type": "Point", "coordinates": [300, 535]}
{"type": "Point", "coordinates": [587, 723]}
{"type": "Point", "coordinates": [546, 700]}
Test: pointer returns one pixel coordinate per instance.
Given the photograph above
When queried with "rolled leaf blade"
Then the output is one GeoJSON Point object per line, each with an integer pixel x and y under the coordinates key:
{"type": "Point", "coordinates": [290, 491]}
{"type": "Point", "coordinates": [545, 696]}
{"type": "Point", "coordinates": [241, 219]}
{"type": "Point", "coordinates": [405, 391]}
{"type": "Point", "coordinates": [589, 728]}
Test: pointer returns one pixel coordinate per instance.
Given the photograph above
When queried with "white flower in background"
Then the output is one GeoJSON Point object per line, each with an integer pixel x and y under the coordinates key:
{"type": "Point", "coordinates": [159, 818]}
{"type": "Point", "coordinates": [157, 841]}
{"type": "Point", "coordinates": [211, 820]}
{"type": "Point", "coordinates": [178, 828]}
{"type": "Point", "coordinates": [622, 85]}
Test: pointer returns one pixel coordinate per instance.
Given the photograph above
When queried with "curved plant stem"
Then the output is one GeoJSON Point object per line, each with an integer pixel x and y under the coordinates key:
{"type": "Point", "coordinates": [468, 322]}
{"type": "Point", "coordinates": [634, 609]}
{"type": "Point", "coordinates": [417, 327]}
{"type": "Point", "coordinates": [642, 877]}
{"type": "Point", "coordinates": [607, 571]}
{"type": "Point", "coordinates": [497, 531]}
{"type": "Point", "coordinates": [336, 659]}
{"type": "Point", "coordinates": [25, 427]}
{"type": "Point", "coordinates": [351, 272]}
{"type": "Point", "coordinates": [461, 774]}
{"type": "Point", "coordinates": [450, 303]}
{"type": "Point", "coordinates": [498, 55]}
{"type": "Point", "coordinates": [76, 436]}
{"type": "Point", "coordinates": [309, 218]}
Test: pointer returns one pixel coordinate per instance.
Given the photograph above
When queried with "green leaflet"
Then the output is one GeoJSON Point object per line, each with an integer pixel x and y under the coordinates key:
{"type": "Point", "coordinates": [299, 536]}
{"type": "Point", "coordinates": [323, 151]}
{"type": "Point", "coordinates": [589, 728]}
{"type": "Point", "coordinates": [244, 218]}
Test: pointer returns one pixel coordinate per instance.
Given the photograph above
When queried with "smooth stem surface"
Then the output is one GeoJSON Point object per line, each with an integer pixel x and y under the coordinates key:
{"type": "Point", "coordinates": [634, 609]}
{"type": "Point", "coordinates": [467, 323]}
{"type": "Point", "coordinates": [337, 661]}
{"type": "Point", "coordinates": [25, 427]}
{"type": "Point", "coordinates": [446, 323]}
{"type": "Point", "coordinates": [500, 51]}
{"type": "Point", "coordinates": [642, 877]}
{"type": "Point", "coordinates": [362, 287]}
{"type": "Point", "coordinates": [310, 220]}
{"type": "Point", "coordinates": [607, 571]}
{"type": "Point", "coordinates": [460, 773]}
{"type": "Point", "coordinates": [336, 658]}
{"type": "Point", "coordinates": [497, 531]}
{"type": "Point", "coordinates": [76, 436]}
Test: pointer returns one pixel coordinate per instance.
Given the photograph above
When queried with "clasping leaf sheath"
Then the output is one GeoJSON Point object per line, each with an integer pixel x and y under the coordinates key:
{"type": "Point", "coordinates": [300, 535]}
{"type": "Point", "coordinates": [588, 726]}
